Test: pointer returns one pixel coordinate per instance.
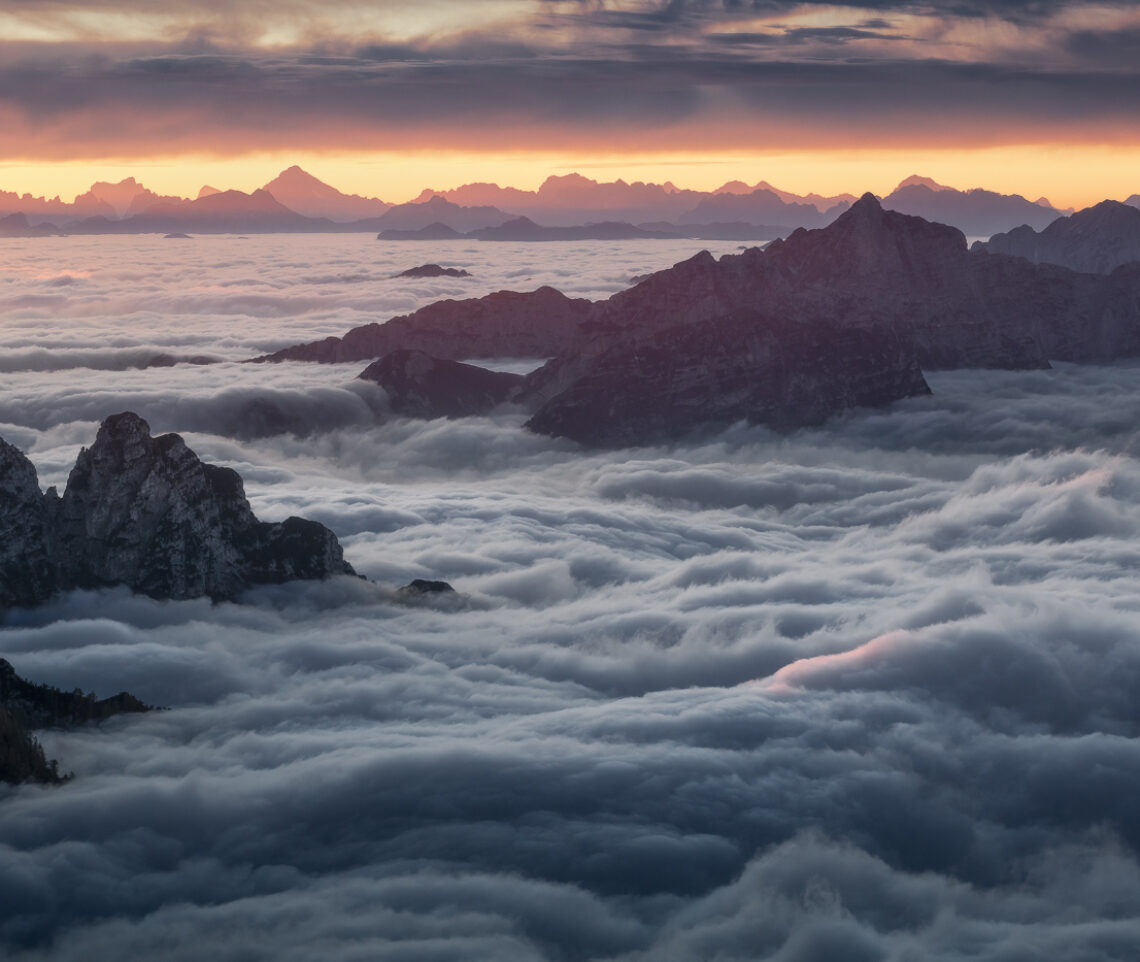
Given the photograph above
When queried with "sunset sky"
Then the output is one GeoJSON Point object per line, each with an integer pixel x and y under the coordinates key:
{"type": "Point", "coordinates": [385, 98]}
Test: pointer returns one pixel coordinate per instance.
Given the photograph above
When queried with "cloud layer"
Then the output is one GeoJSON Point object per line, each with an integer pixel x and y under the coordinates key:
{"type": "Point", "coordinates": [865, 691]}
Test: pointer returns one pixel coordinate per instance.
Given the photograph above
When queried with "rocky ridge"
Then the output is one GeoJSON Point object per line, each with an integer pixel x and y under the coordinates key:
{"type": "Point", "coordinates": [538, 323]}
{"type": "Point", "coordinates": [755, 335]}
{"type": "Point", "coordinates": [147, 513]}
{"type": "Point", "coordinates": [1096, 240]}
{"type": "Point", "coordinates": [762, 368]}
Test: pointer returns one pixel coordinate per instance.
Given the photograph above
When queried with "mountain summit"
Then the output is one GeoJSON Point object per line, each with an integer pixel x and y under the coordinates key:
{"type": "Point", "coordinates": [145, 512]}
{"type": "Point", "coordinates": [304, 194]}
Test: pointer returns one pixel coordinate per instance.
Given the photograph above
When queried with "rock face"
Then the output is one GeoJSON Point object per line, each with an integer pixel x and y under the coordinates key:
{"type": "Point", "coordinates": [147, 513]}
{"type": "Point", "coordinates": [540, 323]}
{"type": "Point", "coordinates": [421, 586]}
{"type": "Point", "coordinates": [27, 564]}
{"type": "Point", "coordinates": [422, 386]}
{"type": "Point", "coordinates": [760, 368]}
{"type": "Point", "coordinates": [1097, 240]}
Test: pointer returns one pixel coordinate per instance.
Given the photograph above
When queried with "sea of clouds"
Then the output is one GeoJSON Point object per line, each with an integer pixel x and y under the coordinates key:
{"type": "Point", "coordinates": [862, 692]}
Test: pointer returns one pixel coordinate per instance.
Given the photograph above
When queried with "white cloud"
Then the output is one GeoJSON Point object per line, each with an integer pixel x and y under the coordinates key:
{"type": "Point", "coordinates": [870, 685]}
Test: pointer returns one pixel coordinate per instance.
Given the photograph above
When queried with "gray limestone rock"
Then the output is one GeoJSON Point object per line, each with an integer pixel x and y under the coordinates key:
{"type": "Point", "coordinates": [146, 512]}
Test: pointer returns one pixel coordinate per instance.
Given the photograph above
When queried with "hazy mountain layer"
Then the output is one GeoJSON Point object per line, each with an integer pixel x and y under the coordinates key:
{"type": "Point", "coordinates": [1096, 240]}
{"type": "Point", "coordinates": [562, 201]}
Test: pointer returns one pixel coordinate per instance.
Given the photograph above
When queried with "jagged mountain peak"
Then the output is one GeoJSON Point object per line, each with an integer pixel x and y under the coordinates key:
{"type": "Point", "coordinates": [297, 178]}
{"type": "Point", "coordinates": [146, 512]}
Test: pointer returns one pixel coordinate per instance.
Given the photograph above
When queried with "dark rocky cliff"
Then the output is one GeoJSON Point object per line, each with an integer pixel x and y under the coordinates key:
{"type": "Point", "coordinates": [760, 368]}
{"type": "Point", "coordinates": [422, 386]}
{"type": "Point", "coordinates": [145, 512]}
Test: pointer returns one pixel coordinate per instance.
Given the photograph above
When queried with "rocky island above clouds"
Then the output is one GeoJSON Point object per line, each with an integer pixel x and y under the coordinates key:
{"type": "Point", "coordinates": [147, 513]}
{"type": "Point", "coordinates": [787, 336]}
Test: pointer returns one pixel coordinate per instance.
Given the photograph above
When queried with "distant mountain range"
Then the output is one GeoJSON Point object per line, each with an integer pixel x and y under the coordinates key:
{"type": "Point", "coordinates": [295, 201]}
{"type": "Point", "coordinates": [1097, 240]}
{"type": "Point", "coordinates": [563, 207]}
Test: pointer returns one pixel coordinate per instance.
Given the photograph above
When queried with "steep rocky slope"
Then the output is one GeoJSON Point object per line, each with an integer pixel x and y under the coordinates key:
{"type": "Point", "coordinates": [875, 267]}
{"type": "Point", "coordinates": [145, 512]}
{"type": "Point", "coordinates": [540, 323]}
{"type": "Point", "coordinates": [761, 368]}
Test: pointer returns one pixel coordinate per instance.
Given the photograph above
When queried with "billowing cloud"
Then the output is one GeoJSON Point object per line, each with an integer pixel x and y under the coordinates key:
{"type": "Point", "coordinates": [863, 691]}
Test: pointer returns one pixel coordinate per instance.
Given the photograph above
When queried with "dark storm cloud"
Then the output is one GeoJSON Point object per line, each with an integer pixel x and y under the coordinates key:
{"type": "Point", "coordinates": [585, 73]}
{"type": "Point", "coordinates": [547, 101]}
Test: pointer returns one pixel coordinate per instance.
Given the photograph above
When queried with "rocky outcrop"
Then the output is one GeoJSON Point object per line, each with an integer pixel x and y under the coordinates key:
{"type": "Point", "coordinates": [1096, 240]}
{"type": "Point", "coordinates": [422, 386]}
{"type": "Point", "coordinates": [749, 366]}
{"type": "Point", "coordinates": [819, 322]}
{"type": "Point", "coordinates": [539, 324]}
{"type": "Point", "coordinates": [421, 587]}
{"type": "Point", "coordinates": [433, 270]}
{"type": "Point", "coordinates": [25, 706]}
{"type": "Point", "coordinates": [145, 512]}
{"type": "Point", "coordinates": [28, 568]}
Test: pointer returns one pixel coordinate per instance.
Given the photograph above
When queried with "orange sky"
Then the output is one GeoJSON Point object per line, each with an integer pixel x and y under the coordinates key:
{"type": "Point", "coordinates": [1073, 176]}
{"type": "Point", "coordinates": [385, 98]}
